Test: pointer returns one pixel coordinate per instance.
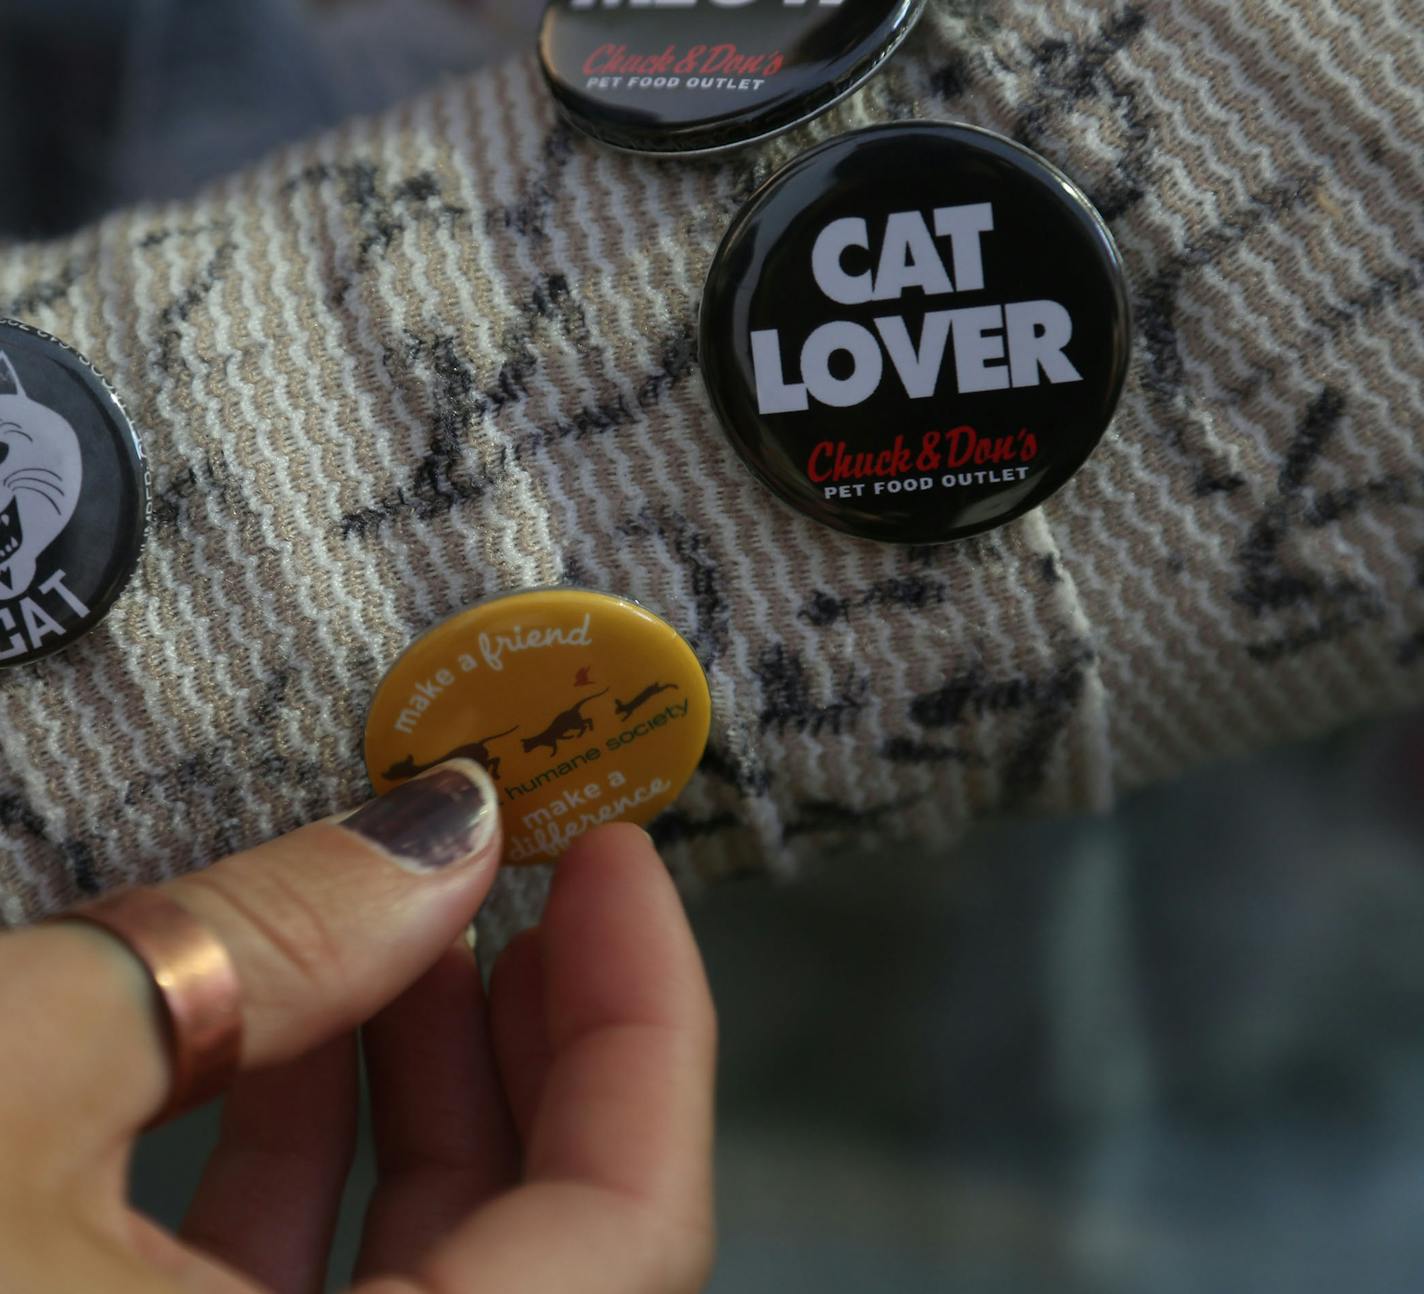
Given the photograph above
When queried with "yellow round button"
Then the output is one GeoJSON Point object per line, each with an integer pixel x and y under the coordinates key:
{"type": "Point", "coordinates": [583, 707]}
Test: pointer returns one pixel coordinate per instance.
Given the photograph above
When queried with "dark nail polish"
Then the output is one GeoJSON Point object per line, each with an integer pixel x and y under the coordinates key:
{"type": "Point", "coordinates": [430, 822]}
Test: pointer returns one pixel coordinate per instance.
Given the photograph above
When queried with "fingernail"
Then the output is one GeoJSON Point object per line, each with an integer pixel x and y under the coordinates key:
{"type": "Point", "coordinates": [432, 822]}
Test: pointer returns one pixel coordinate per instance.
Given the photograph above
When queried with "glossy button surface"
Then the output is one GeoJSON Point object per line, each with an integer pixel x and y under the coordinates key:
{"type": "Point", "coordinates": [915, 332]}
{"type": "Point", "coordinates": [73, 495]}
{"type": "Point", "coordinates": [584, 708]}
{"type": "Point", "coordinates": [691, 76]}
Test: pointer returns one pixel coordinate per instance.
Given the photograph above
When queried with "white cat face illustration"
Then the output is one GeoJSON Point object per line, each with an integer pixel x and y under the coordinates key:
{"type": "Point", "coordinates": [40, 474]}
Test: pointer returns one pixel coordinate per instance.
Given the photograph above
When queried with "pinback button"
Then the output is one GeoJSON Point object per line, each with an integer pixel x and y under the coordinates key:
{"type": "Point", "coordinates": [584, 708]}
{"type": "Point", "coordinates": [73, 495]}
{"type": "Point", "coordinates": [915, 332]}
{"type": "Point", "coordinates": [697, 76]}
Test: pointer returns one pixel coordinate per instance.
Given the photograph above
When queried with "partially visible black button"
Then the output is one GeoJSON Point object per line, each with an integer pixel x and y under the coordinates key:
{"type": "Point", "coordinates": [73, 495]}
{"type": "Point", "coordinates": [916, 332]}
{"type": "Point", "coordinates": [697, 76]}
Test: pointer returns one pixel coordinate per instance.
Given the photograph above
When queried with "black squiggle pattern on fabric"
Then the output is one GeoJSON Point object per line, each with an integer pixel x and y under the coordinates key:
{"type": "Point", "coordinates": [1327, 324]}
{"type": "Point", "coordinates": [787, 701]}
{"type": "Point", "coordinates": [176, 497]}
{"type": "Point", "coordinates": [178, 311]}
{"type": "Point", "coordinates": [1046, 701]}
{"type": "Point", "coordinates": [673, 826]}
{"type": "Point", "coordinates": [1067, 74]}
{"type": "Point", "coordinates": [1155, 312]}
{"type": "Point", "coordinates": [445, 478]}
{"type": "Point", "coordinates": [1323, 608]}
{"type": "Point", "coordinates": [44, 293]}
{"type": "Point", "coordinates": [528, 215]}
{"type": "Point", "coordinates": [743, 770]}
{"type": "Point", "coordinates": [16, 814]}
{"type": "Point", "coordinates": [817, 816]}
{"type": "Point", "coordinates": [460, 402]}
{"type": "Point", "coordinates": [213, 772]}
{"type": "Point", "coordinates": [710, 630]}
{"type": "Point", "coordinates": [382, 210]}
{"type": "Point", "coordinates": [913, 592]}
{"type": "Point", "coordinates": [906, 750]}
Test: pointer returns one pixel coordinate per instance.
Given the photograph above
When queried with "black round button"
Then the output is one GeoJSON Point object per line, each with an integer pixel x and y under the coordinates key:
{"type": "Point", "coordinates": [73, 495]}
{"type": "Point", "coordinates": [696, 76]}
{"type": "Point", "coordinates": [915, 332]}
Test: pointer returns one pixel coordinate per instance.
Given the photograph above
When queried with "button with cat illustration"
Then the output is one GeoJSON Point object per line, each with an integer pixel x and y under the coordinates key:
{"type": "Point", "coordinates": [688, 77]}
{"type": "Point", "coordinates": [583, 707]}
{"type": "Point", "coordinates": [915, 332]}
{"type": "Point", "coordinates": [73, 495]}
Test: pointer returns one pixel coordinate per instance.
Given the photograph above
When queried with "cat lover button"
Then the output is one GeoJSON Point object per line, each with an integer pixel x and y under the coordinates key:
{"type": "Point", "coordinates": [583, 708]}
{"type": "Point", "coordinates": [916, 331]}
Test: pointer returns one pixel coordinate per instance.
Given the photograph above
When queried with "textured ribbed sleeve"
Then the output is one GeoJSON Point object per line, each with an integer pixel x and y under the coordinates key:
{"type": "Point", "coordinates": [453, 350]}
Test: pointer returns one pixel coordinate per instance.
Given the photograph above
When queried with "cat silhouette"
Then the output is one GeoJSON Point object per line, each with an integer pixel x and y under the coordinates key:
{"type": "Point", "coordinates": [625, 708]}
{"type": "Point", "coordinates": [564, 726]}
{"type": "Point", "coordinates": [475, 750]}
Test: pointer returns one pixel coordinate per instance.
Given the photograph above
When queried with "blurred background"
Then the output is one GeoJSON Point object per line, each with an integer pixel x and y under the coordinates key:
{"type": "Point", "coordinates": [1180, 1049]}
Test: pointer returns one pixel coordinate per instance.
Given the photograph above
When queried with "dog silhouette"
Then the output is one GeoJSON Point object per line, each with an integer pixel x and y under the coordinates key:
{"type": "Point", "coordinates": [625, 708]}
{"type": "Point", "coordinates": [471, 750]}
{"type": "Point", "coordinates": [563, 726]}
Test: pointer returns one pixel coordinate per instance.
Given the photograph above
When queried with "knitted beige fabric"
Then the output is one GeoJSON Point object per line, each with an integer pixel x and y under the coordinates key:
{"type": "Point", "coordinates": [452, 351]}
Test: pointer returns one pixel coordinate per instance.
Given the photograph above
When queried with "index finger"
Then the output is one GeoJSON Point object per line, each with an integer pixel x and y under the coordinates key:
{"type": "Point", "coordinates": [618, 1161]}
{"type": "Point", "coordinates": [627, 1103]}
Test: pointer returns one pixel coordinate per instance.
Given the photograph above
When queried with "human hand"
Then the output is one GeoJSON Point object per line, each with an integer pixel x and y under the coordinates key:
{"type": "Point", "coordinates": [555, 1139]}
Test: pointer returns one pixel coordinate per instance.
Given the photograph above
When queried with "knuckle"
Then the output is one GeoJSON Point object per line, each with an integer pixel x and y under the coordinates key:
{"type": "Point", "coordinates": [685, 1254]}
{"type": "Point", "coordinates": [674, 1243]}
{"type": "Point", "coordinates": [697, 1262]}
{"type": "Point", "coordinates": [279, 937]}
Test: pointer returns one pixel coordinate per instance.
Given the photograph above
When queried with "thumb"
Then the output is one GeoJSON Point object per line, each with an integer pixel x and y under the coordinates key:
{"type": "Point", "coordinates": [328, 924]}
{"type": "Point", "coordinates": [324, 927]}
